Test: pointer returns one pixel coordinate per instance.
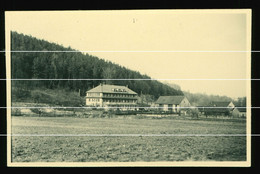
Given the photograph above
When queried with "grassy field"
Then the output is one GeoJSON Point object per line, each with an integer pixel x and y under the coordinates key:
{"type": "Point", "coordinates": [138, 148]}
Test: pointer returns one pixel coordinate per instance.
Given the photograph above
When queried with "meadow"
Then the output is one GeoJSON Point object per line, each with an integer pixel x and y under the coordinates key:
{"type": "Point", "coordinates": [82, 148]}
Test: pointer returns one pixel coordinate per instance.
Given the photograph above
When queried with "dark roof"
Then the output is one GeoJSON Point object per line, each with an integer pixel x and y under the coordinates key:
{"type": "Point", "coordinates": [220, 104]}
{"type": "Point", "coordinates": [112, 89]}
{"type": "Point", "coordinates": [242, 109]}
{"type": "Point", "coordinates": [217, 110]}
{"type": "Point", "coordinates": [170, 99]}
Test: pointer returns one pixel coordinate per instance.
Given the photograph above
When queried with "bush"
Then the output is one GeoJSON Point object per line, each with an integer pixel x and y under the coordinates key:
{"type": "Point", "coordinates": [16, 112]}
{"type": "Point", "coordinates": [57, 97]}
{"type": "Point", "coordinates": [41, 97]}
{"type": "Point", "coordinates": [37, 111]}
{"type": "Point", "coordinates": [20, 94]}
{"type": "Point", "coordinates": [193, 112]}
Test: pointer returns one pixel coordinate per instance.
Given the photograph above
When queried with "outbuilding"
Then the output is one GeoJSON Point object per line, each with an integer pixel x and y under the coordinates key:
{"type": "Point", "coordinates": [172, 103]}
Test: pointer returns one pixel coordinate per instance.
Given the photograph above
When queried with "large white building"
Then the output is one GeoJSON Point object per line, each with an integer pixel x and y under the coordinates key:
{"type": "Point", "coordinates": [113, 96]}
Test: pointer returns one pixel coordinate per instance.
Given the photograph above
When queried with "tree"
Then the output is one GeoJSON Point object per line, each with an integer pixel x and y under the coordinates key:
{"type": "Point", "coordinates": [108, 73]}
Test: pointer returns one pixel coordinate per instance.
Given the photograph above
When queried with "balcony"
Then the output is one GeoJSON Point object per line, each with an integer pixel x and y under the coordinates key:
{"type": "Point", "coordinates": [119, 103]}
{"type": "Point", "coordinates": [119, 97]}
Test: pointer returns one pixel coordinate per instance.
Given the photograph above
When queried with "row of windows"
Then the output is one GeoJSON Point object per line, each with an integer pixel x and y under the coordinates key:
{"type": "Point", "coordinates": [118, 90]}
{"type": "Point", "coordinates": [93, 94]}
{"type": "Point", "coordinates": [110, 95]}
{"type": "Point", "coordinates": [112, 100]}
{"type": "Point", "coordinates": [119, 100]}
{"type": "Point", "coordinates": [93, 100]}
{"type": "Point", "coordinates": [118, 95]}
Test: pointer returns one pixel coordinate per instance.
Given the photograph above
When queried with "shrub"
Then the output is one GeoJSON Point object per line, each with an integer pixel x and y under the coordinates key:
{"type": "Point", "coordinates": [16, 112]}
{"type": "Point", "coordinates": [20, 94]}
{"type": "Point", "coordinates": [193, 112]}
{"type": "Point", "coordinates": [57, 97]}
{"type": "Point", "coordinates": [37, 111]}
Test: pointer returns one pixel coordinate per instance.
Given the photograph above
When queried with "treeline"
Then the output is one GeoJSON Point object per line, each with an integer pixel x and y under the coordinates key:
{"type": "Point", "coordinates": [72, 65]}
{"type": "Point", "coordinates": [200, 99]}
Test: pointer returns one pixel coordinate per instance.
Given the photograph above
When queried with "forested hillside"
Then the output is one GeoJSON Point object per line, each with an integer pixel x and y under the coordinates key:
{"type": "Point", "coordinates": [72, 65]}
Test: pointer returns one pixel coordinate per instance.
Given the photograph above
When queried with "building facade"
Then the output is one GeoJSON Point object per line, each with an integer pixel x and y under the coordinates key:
{"type": "Point", "coordinates": [172, 103]}
{"type": "Point", "coordinates": [112, 96]}
{"type": "Point", "coordinates": [239, 112]}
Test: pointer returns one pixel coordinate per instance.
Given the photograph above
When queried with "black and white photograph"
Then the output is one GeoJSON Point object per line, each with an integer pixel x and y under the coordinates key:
{"type": "Point", "coordinates": [129, 88]}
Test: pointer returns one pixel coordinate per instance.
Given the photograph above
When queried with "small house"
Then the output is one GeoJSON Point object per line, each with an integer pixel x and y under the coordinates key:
{"type": "Point", "coordinates": [239, 112]}
{"type": "Point", "coordinates": [242, 112]}
{"type": "Point", "coordinates": [229, 104]}
{"type": "Point", "coordinates": [235, 112]}
{"type": "Point", "coordinates": [219, 108]}
{"type": "Point", "coordinates": [172, 103]}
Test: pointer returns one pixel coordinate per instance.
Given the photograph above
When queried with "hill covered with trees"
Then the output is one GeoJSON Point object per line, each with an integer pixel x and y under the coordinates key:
{"type": "Point", "coordinates": [71, 65]}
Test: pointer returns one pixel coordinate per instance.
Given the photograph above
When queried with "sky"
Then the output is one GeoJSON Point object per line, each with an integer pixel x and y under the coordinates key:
{"type": "Point", "coordinates": [144, 40]}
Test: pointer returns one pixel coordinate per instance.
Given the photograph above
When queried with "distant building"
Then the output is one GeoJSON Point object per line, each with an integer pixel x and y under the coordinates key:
{"type": "Point", "coordinates": [228, 104]}
{"type": "Point", "coordinates": [111, 96]}
{"type": "Point", "coordinates": [235, 112]}
{"type": "Point", "coordinates": [172, 103]}
{"type": "Point", "coordinates": [219, 108]}
{"type": "Point", "coordinates": [239, 112]}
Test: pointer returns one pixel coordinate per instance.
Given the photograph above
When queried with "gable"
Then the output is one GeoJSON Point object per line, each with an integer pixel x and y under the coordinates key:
{"type": "Point", "coordinates": [185, 102]}
{"type": "Point", "coordinates": [231, 104]}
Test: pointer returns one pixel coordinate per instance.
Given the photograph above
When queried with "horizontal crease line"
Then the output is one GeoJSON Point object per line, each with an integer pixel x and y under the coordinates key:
{"type": "Point", "coordinates": [91, 51]}
{"type": "Point", "coordinates": [193, 107]}
{"type": "Point", "coordinates": [131, 135]}
{"type": "Point", "coordinates": [114, 79]}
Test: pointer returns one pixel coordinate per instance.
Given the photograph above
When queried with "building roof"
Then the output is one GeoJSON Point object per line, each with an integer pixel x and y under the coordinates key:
{"type": "Point", "coordinates": [170, 99]}
{"type": "Point", "coordinates": [112, 89]}
{"type": "Point", "coordinates": [217, 110]}
{"type": "Point", "coordinates": [220, 104]}
{"type": "Point", "coordinates": [242, 109]}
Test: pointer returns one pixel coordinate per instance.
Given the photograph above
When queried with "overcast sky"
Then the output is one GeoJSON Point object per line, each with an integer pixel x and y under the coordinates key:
{"type": "Point", "coordinates": [155, 30]}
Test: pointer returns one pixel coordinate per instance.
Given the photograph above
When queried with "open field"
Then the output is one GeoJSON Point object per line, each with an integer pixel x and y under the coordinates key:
{"type": "Point", "coordinates": [131, 148]}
